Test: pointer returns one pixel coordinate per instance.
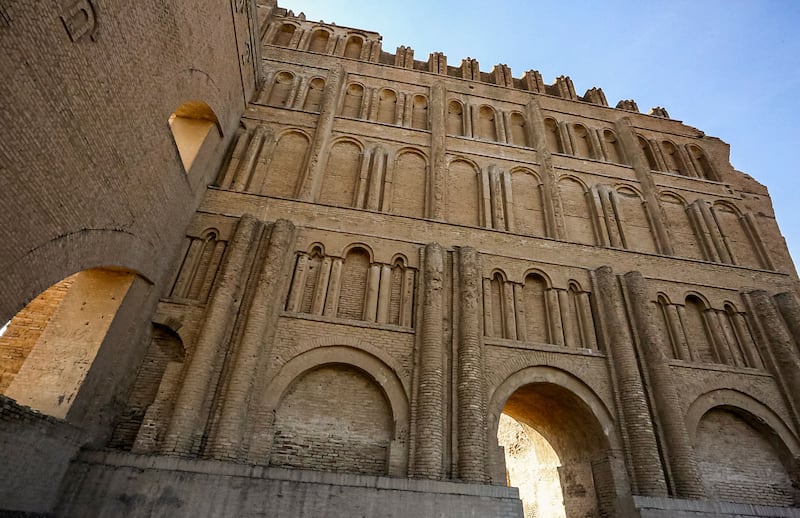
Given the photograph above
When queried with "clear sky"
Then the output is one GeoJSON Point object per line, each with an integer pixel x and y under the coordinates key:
{"type": "Point", "coordinates": [730, 68]}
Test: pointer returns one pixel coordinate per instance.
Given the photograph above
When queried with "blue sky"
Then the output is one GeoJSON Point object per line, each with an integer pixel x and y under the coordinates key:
{"type": "Point", "coordinates": [730, 68]}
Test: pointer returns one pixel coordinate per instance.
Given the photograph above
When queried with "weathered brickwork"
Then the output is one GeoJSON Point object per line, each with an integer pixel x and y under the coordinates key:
{"type": "Point", "coordinates": [354, 262]}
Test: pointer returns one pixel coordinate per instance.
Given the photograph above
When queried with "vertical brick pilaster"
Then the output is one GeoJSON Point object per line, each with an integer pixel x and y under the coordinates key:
{"type": "Point", "coordinates": [785, 363]}
{"type": "Point", "coordinates": [554, 219]}
{"type": "Point", "coordinates": [312, 180]}
{"type": "Point", "coordinates": [685, 473]}
{"type": "Point", "coordinates": [471, 377]}
{"type": "Point", "coordinates": [655, 212]}
{"type": "Point", "coordinates": [256, 341]}
{"type": "Point", "coordinates": [428, 451]}
{"type": "Point", "coordinates": [187, 424]}
{"type": "Point", "coordinates": [646, 469]}
{"type": "Point", "coordinates": [436, 187]}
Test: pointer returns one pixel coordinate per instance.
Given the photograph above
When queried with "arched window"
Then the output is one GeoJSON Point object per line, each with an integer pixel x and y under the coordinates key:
{"type": "Point", "coordinates": [455, 118]}
{"type": "Point", "coordinates": [314, 95]}
{"type": "Point", "coordinates": [697, 331]}
{"type": "Point", "coordinates": [673, 158]}
{"type": "Point", "coordinates": [582, 144]}
{"type": "Point", "coordinates": [353, 98]}
{"type": "Point", "coordinates": [281, 88]}
{"type": "Point", "coordinates": [518, 136]}
{"type": "Point", "coordinates": [648, 153]}
{"type": "Point", "coordinates": [702, 164]}
{"type": "Point", "coordinates": [319, 41]}
{"type": "Point", "coordinates": [353, 48]}
{"type": "Point", "coordinates": [354, 284]}
{"type": "Point", "coordinates": [284, 35]}
{"type": "Point", "coordinates": [486, 124]}
{"type": "Point", "coordinates": [387, 106]}
{"type": "Point", "coordinates": [194, 125]}
{"type": "Point", "coordinates": [419, 113]}
{"type": "Point", "coordinates": [553, 136]}
{"type": "Point", "coordinates": [199, 268]}
{"type": "Point", "coordinates": [613, 150]}
{"type": "Point", "coordinates": [536, 315]}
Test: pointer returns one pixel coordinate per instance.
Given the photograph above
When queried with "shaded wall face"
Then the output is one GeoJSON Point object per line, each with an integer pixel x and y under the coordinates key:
{"type": "Point", "coordinates": [107, 181]}
{"type": "Point", "coordinates": [738, 463]}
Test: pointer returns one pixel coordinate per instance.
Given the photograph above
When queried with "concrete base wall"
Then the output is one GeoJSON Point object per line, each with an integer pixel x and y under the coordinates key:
{"type": "Point", "coordinates": [35, 452]}
{"type": "Point", "coordinates": [122, 484]}
{"type": "Point", "coordinates": [674, 508]}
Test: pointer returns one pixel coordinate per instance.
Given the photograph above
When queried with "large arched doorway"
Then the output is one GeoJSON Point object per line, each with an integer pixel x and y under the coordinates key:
{"type": "Point", "coordinates": [556, 441]}
{"type": "Point", "coordinates": [48, 347]}
{"type": "Point", "coordinates": [741, 459]}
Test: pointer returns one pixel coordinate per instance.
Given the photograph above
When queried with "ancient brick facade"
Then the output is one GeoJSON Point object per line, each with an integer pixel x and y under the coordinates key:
{"type": "Point", "coordinates": [393, 253]}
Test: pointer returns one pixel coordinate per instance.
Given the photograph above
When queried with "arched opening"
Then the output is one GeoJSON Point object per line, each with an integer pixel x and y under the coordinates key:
{"type": "Point", "coordinates": [353, 48]}
{"type": "Point", "coordinates": [48, 347]}
{"type": "Point", "coordinates": [555, 452]}
{"type": "Point", "coordinates": [281, 88]}
{"type": "Point", "coordinates": [354, 284]}
{"type": "Point", "coordinates": [673, 159]}
{"type": "Point", "coordinates": [352, 436]}
{"type": "Point", "coordinates": [284, 35]}
{"type": "Point", "coordinates": [314, 95]}
{"type": "Point", "coordinates": [319, 41]}
{"type": "Point", "coordinates": [142, 425]}
{"type": "Point", "coordinates": [582, 143]}
{"type": "Point", "coordinates": [702, 164]}
{"type": "Point", "coordinates": [518, 136]}
{"type": "Point", "coordinates": [644, 145]}
{"type": "Point", "coordinates": [613, 150]}
{"type": "Point", "coordinates": [419, 113]}
{"type": "Point", "coordinates": [487, 129]}
{"type": "Point", "coordinates": [352, 101]}
{"type": "Point", "coordinates": [553, 136]}
{"type": "Point", "coordinates": [387, 106]}
{"type": "Point", "coordinates": [193, 124]}
{"type": "Point", "coordinates": [455, 118]}
{"type": "Point", "coordinates": [741, 459]}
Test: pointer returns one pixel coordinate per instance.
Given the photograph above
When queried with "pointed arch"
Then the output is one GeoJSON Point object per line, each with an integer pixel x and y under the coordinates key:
{"type": "Point", "coordinates": [644, 145]}
{"type": "Point", "coordinates": [419, 112]}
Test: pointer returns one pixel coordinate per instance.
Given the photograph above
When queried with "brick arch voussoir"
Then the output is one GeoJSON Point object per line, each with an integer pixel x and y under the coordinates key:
{"type": "Point", "coordinates": [541, 373]}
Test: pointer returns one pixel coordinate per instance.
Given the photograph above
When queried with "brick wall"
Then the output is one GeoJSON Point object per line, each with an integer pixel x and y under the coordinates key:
{"type": "Point", "coordinates": [333, 419]}
{"type": "Point", "coordinates": [738, 464]}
